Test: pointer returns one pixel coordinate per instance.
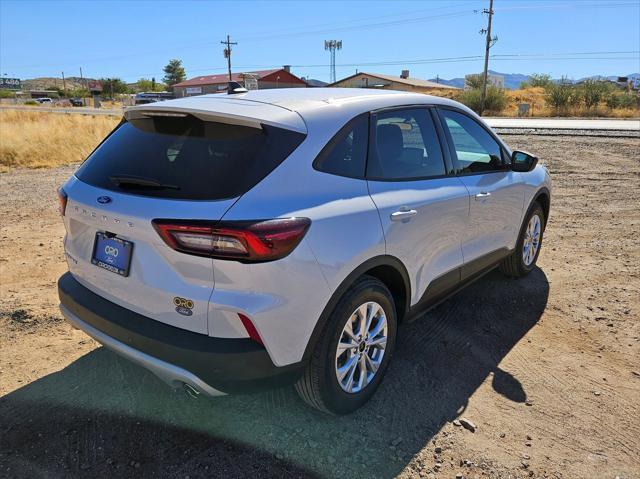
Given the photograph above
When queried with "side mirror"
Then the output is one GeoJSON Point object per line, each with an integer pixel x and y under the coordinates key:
{"type": "Point", "coordinates": [522, 161]}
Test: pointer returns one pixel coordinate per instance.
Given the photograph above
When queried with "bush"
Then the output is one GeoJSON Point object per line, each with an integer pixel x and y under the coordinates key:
{"type": "Point", "coordinates": [7, 94]}
{"type": "Point", "coordinates": [495, 101]}
{"type": "Point", "coordinates": [79, 93]}
{"type": "Point", "coordinates": [593, 92]}
{"type": "Point", "coordinates": [31, 102]}
{"type": "Point", "coordinates": [540, 80]}
{"type": "Point", "coordinates": [474, 81]}
{"type": "Point", "coordinates": [621, 100]}
{"type": "Point", "coordinates": [562, 95]}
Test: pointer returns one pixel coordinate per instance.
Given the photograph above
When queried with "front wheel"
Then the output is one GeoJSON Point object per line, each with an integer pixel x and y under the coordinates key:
{"type": "Point", "coordinates": [522, 261]}
{"type": "Point", "coordinates": [352, 355]}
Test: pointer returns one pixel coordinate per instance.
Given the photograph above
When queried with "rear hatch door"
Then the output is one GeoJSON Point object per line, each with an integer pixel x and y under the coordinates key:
{"type": "Point", "coordinates": [167, 165]}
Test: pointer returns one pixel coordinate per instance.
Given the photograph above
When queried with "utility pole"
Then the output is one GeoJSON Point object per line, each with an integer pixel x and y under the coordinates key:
{"type": "Point", "coordinates": [489, 43]}
{"type": "Point", "coordinates": [64, 85]}
{"type": "Point", "coordinates": [84, 103]}
{"type": "Point", "coordinates": [332, 46]}
{"type": "Point", "coordinates": [227, 52]}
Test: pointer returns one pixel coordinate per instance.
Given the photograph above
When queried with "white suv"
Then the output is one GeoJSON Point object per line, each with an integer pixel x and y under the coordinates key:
{"type": "Point", "coordinates": [234, 242]}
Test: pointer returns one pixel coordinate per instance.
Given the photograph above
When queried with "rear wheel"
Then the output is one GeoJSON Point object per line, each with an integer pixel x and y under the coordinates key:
{"type": "Point", "coordinates": [523, 259]}
{"type": "Point", "coordinates": [350, 359]}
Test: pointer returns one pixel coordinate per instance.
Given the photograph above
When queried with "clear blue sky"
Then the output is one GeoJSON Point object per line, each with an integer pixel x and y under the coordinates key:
{"type": "Point", "coordinates": [136, 39]}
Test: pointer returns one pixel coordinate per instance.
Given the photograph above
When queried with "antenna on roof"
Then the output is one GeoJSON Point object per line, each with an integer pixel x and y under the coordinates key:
{"type": "Point", "coordinates": [235, 87]}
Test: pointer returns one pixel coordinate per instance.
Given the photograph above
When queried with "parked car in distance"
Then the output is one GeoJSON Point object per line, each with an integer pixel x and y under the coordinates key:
{"type": "Point", "coordinates": [76, 101]}
{"type": "Point", "coordinates": [44, 100]}
{"type": "Point", "coordinates": [152, 97]}
{"type": "Point", "coordinates": [232, 243]}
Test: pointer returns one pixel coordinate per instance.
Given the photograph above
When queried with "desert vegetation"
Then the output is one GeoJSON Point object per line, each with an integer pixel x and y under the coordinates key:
{"type": "Point", "coordinates": [33, 139]}
{"type": "Point", "coordinates": [547, 97]}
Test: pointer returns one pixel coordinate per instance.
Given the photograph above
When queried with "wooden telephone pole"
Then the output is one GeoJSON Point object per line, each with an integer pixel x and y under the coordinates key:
{"type": "Point", "coordinates": [227, 52]}
{"type": "Point", "coordinates": [489, 43]}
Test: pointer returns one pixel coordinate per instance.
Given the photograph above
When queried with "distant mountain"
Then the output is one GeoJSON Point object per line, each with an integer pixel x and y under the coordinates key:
{"type": "Point", "coordinates": [512, 80]}
{"type": "Point", "coordinates": [456, 82]}
{"type": "Point", "coordinates": [46, 83]}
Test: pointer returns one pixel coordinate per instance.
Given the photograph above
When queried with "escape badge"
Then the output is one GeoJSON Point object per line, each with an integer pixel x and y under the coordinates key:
{"type": "Point", "coordinates": [183, 306]}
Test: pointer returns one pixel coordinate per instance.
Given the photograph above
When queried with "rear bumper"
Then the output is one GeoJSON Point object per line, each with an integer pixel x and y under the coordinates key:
{"type": "Point", "coordinates": [213, 366]}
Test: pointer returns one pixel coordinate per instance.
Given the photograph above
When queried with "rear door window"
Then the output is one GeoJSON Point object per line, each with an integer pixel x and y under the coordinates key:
{"type": "Point", "coordinates": [187, 158]}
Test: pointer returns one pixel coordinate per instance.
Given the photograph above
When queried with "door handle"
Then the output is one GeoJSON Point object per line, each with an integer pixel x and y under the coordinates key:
{"type": "Point", "coordinates": [482, 195]}
{"type": "Point", "coordinates": [403, 215]}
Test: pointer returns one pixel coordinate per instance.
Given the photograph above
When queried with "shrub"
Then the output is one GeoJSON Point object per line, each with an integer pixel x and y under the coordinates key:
{"type": "Point", "coordinates": [540, 80]}
{"type": "Point", "coordinates": [495, 101]}
{"type": "Point", "coordinates": [31, 102]}
{"type": "Point", "coordinates": [473, 81]}
{"type": "Point", "coordinates": [593, 92]}
{"type": "Point", "coordinates": [621, 100]}
{"type": "Point", "coordinates": [562, 95]}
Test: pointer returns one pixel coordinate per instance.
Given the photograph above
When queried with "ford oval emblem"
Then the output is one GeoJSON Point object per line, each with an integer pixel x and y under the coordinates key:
{"type": "Point", "coordinates": [103, 200]}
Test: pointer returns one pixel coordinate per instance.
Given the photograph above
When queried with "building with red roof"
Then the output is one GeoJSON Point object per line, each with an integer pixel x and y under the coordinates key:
{"type": "Point", "coordinates": [255, 80]}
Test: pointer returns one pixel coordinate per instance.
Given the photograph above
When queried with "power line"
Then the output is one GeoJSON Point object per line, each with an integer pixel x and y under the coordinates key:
{"type": "Point", "coordinates": [507, 56]}
{"type": "Point", "coordinates": [549, 56]}
{"type": "Point", "coordinates": [196, 44]}
{"type": "Point", "coordinates": [334, 24]}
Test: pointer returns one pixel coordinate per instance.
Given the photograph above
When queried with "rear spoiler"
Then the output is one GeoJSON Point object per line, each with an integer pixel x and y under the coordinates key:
{"type": "Point", "coordinates": [229, 112]}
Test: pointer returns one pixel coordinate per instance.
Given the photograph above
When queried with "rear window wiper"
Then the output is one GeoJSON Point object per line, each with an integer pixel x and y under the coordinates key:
{"type": "Point", "coordinates": [129, 181]}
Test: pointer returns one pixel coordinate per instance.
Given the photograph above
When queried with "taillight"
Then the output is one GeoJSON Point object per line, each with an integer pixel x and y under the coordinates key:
{"type": "Point", "coordinates": [249, 241]}
{"type": "Point", "coordinates": [62, 198]}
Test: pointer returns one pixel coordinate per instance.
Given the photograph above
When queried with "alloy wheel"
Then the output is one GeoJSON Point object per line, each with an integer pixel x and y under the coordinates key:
{"type": "Point", "coordinates": [361, 347]}
{"type": "Point", "coordinates": [531, 242]}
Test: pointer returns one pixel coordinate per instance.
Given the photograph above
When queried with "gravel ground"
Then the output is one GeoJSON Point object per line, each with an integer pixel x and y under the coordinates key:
{"type": "Point", "coordinates": [547, 368]}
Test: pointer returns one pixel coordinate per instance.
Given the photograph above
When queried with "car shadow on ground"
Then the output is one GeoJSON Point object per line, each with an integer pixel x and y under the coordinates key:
{"type": "Point", "coordinates": [103, 416]}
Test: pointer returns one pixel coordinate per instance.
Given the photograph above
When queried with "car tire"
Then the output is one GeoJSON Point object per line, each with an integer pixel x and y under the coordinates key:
{"type": "Point", "coordinates": [322, 384]}
{"type": "Point", "coordinates": [523, 260]}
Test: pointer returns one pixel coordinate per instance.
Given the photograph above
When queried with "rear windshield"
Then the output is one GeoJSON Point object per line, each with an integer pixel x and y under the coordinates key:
{"type": "Point", "coordinates": [187, 158]}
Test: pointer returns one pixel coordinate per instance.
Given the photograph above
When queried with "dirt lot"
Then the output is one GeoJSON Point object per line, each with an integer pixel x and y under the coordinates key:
{"type": "Point", "coordinates": [547, 367]}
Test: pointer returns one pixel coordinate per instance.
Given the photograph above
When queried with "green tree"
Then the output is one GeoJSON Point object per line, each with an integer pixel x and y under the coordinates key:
{"type": "Point", "coordinates": [113, 86]}
{"type": "Point", "coordinates": [144, 84]}
{"type": "Point", "coordinates": [174, 72]}
{"type": "Point", "coordinates": [78, 93]}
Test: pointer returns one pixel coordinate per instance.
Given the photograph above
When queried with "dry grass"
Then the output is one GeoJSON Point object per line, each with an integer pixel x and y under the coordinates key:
{"type": "Point", "coordinates": [30, 139]}
{"type": "Point", "coordinates": [535, 97]}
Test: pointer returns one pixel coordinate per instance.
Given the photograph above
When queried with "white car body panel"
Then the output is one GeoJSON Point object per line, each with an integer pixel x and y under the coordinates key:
{"type": "Point", "coordinates": [494, 220]}
{"type": "Point", "coordinates": [157, 273]}
{"type": "Point", "coordinates": [429, 244]}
